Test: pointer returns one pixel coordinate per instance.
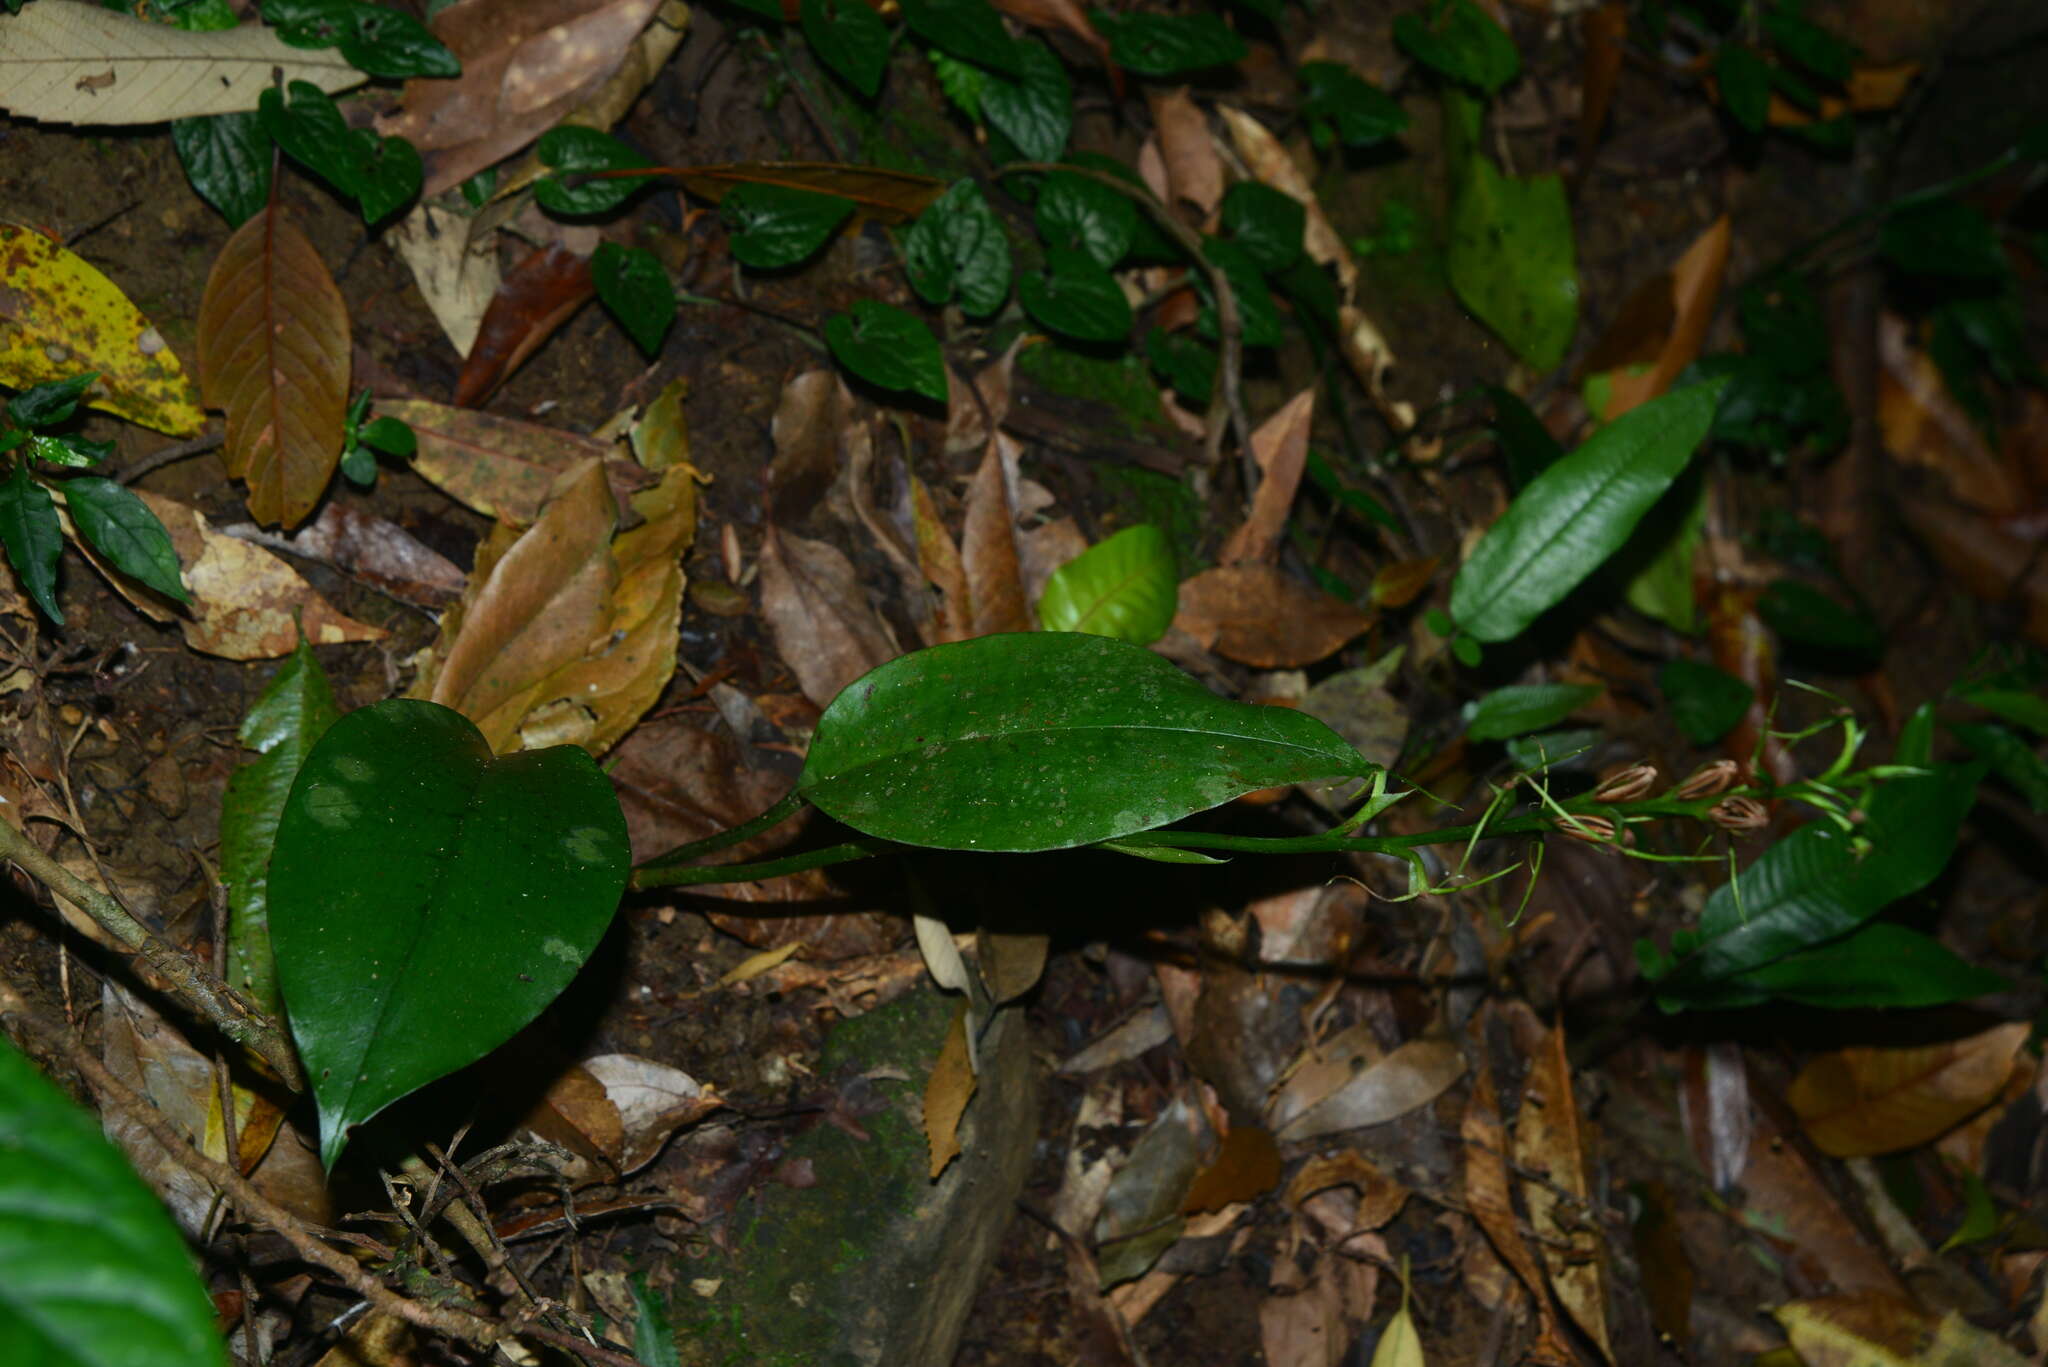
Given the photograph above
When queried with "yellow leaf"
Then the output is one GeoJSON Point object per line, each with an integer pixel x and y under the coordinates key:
{"type": "Point", "coordinates": [947, 1093]}
{"type": "Point", "coordinates": [1875, 1330]}
{"type": "Point", "coordinates": [1400, 1345]}
{"type": "Point", "coordinates": [60, 316]}
{"type": "Point", "coordinates": [63, 62]}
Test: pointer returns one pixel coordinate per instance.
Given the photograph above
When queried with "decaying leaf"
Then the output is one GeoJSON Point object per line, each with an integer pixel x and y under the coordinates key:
{"type": "Point", "coordinates": [1245, 1167]}
{"type": "Point", "coordinates": [1260, 616]}
{"type": "Point", "coordinates": [60, 316]}
{"type": "Point", "coordinates": [939, 560]}
{"type": "Point", "coordinates": [1010, 962]}
{"type": "Point", "coordinates": [1380, 1197]}
{"type": "Point", "coordinates": [1280, 446]}
{"type": "Point", "coordinates": [1413, 1075]}
{"type": "Point", "coordinates": [1550, 1146]}
{"type": "Point", "coordinates": [371, 550]}
{"type": "Point", "coordinates": [1876, 1330]}
{"type": "Point", "coordinates": [542, 293]}
{"type": "Point", "coordinates": [881, 194]}
{"type": "Point", "coordinates": [817, 611]}
{"type": "Point", "coordinates": [67, 62]}
{"type": "Point", "coordinates": [457, 276]}
{"type": "Point", "coordinates": [1691, 290]}
{"type": "Point", "coordinates": [621, 1109]}
{"type": "Point", "coordinates": [988, 553]}
{"type": "Point", "coordinates": [500, 467]}
{"type": "Point", "coordinates": [274, 356]}
{"type": "Point", "coordinates": [1874, 1100]}
{"type": "Point", "coordinates": [1486, 1196]}
{"type": "Point", "coordinates": [814, 421]}
{"type": "Point", "coordinates": [1923, 425]}
{"type": "Point", "coordinates": [1194, 173]}
{"type": "Point", "coordinates": [946, 1094]}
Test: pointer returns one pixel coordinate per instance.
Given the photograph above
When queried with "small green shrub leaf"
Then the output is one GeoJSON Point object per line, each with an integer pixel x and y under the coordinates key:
{"type": "Point", "coordinates": [1521, 708]}
{"type": "Point", "coordinates": [427, 900]}
{"type": "Point", "coordinates": [1808, 44]}
{"type": "Point", "coordinates": [1126, 586]}
{"type": "Point", "coordinates": [1360, 113]}
{"type": "Point", "coordinates": [851, 38]}
{"type": "Point", "coordinates": [971, 30]}
{"type": "Point", "coordinates": [292, 713]}
{"type": "Point", "coordinates": [1044, 741]}
{"type": "Point", "coordinates": [1085, 215]}
{"type": "Point", "coordinates": [1807, 618]}
{"type": "Point", "coordinates": [92, 1271]}
{"type": "Point", "coordinates": [635, 290]}
{"type": "Point", "coordinates": [957, 249]}
{"type": "Point", "coordinates": [569, 149]}
{"type": "Point", "coordinates": [2010, 757]}
{"type": "Point", "coordinates": [1168, 44]}
{"type": "Point", "coordinates": [1266, 223]}
{"type": "Point", "coordinates": [1745, 85]}
{"type": "Point", "coordinates": [49, 403]}
{"type": "Point", "coordinates": [1183, 362]}
{"type": "Point", "coordinates": [775, 225]}
{"type": "Point", "coordinates": [380, 174]}
{"type": "Point", "coordinates": [1512, 260]}
{"type": "Point", "coordinates": [371, 38]}
{"type": "Point", "coordinates": [1258, 316]}
{"type": "Point", "coordinates": [1076, 296]}
{"type": "Point", "coordinates": [1035, 108]}
{"type": "Point", "coordinates": [1461, 42]}
{"type": "Point", "coordinates": [391, 436]}
{"type": "Point", "coordinates": [1881, 965]}
{"type": "Point", "coordinates": [1575, 514]}
{"type": "Point", "coordinates": [227, 159]}
{"type": "Point", "coordinates": [33, 536]}
{"type": "Point", "coordinates": [887, 347]}
{"type": "Point", "coordinates": [2015, 705]}
{"type": "Point", "coordinates": [1524, 440]}
{"type": "Point", "coordinates": [1706, 702]}
{"type": "Point", "coordinates": [121, 527]}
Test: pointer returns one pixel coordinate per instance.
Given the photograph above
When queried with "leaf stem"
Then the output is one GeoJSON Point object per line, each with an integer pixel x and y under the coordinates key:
{"type": "Point", "coordinates": [647, 876]}
{"type": "Point", "coordinates": [710, 844]}
{"type": "Point", "coordinates": [205, 994]}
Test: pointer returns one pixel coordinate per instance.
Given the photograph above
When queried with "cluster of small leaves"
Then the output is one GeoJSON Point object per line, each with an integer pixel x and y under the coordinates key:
{"type": "Point", "coordinates": [110, 519]}
{"type": "Point", "coordinates": [363, 437]}
{"type": "Point", "coordinates": [1791, 58]}
{"type": "Point", "coordinates": [1781, 394]}
{"type": "Point", "coordinates": [630, 281]}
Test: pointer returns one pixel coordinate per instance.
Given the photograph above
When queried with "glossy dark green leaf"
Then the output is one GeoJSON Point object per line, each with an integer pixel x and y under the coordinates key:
{"type": "Point", "coordinates": [391, 436]}
{"type": "Point", "coordinates": [568, 149]}
{"type": "Point", "coordinates": [1084, 215]}
{"type": "Point", "coordinates": [1577, 513]}
{"type": "Point", "coordinates": [1168, 44]}
{"type": "Point", "coordinates": [292, 713]}
{"type": "Point", "coordinates": [1880, 965]}
{"type": "Point", "coordinates": [1784, 323]}
{"type": "Point", "coordinates": [1521, 708]}
{"type": "Point", "coordinates": [1706, 702]}
{"type": "Point", "coordinates": [635, 290]}
{"type": "Point", "coordinates": [73, 453]}
{"type": "Point", "coordinates": [1266, 223]}
{"type": "Point", "coordinates": [957, 249]}
{"type": "Point", "coordinates": [1512, 259]}
{"type": "Point", "coordinates": [1035, 108]}
{"type": "Point", "coordinates": [387, 177]}
{"type": "Point", "coordinates": [1808, 44]}
{"type": "Point", "coordinates": [850, 38]}
{"type": "Point", "coordinates": [1360, 112]}
{"type": "Point", "coordinates": [1126, 586]}
{"type": "Point", "coordinates": [887, 347]}
{"type": "Point", "coordinates": [46, 405]}
{"type": "Point", "coordinates": [1258, 316]}
{"type": "Point", "coordinates": [92, 1271]}
{"type": "Point", "coordinates": [1076, 296]}
{"type": "Point", "coordinates": [2016, 705]}
{"type": "Point", "coordinates": [33, 536]}
{"type": "Point", "coordinates": [1047, 740]}
{"type": "Point", "coordinates": [121, 527]}
{"type": "Point", "coordinates": [971, 30]}
{"type": "Point", "coordinates": [383, 42]}
{"type": "Point", "coordinates": [1817, 885]}
{"type": "Point", "coordinates": [380, 174]}
{"type": "Point", "coordinates": [775, 225]}
{"type": "Point", "coordinates": [1945, 238]}
{"type": "Point", "coordinates": [1745, 85]}
{"type": "Point", "coordinates": [1805, 617]}
{"type": "Point", "coordinates": [227, 159]}
{"type": "Point", "coordinates": [427, 900]}
{"type": "Point", "coordinates": [2010, 757]}
{"type": "Point", "coordinates": [358, 464]}
{"type": "Point", "coordinates": [1183, 362]}
{"type": "Point", "coordinates": [1461, 41]}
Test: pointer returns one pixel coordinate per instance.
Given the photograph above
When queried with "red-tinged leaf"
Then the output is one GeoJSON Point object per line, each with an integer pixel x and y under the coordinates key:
{"type": "Point", "coordinates": [1245, 1168]}
{"type": "Point", "coordinates": [1692, 289]}
{"type": "Point", "coordinates": [883, 195]}
{"type": "Point", "coordinates": [1280, 446]}
{"type": "Point", "coordinates": [500, 467]}
{"type": "Point", "coordinates": [1863, 1101]}
{"type": "Point", "coordinates": [1260, 616]}
{"type": "Point", "coordinates": [274, 356]}
{"type": "Point", "coordinates": [939, 559]}
{"type": "Point", "coordinates": [540, 295]}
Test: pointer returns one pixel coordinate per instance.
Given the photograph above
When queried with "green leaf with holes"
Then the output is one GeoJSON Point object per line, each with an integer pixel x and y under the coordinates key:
{"type": "Point", "coordinates": [92, 1271]}
{"type": "Point", "coordinates": [427, 899]}
{"type": "Point", "coordinates": [1126, 587]}
{"type": "Point", "coordinates": [1048, 740]}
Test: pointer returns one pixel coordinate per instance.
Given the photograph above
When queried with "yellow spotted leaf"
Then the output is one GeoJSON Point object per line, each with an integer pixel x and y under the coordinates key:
{"type": "Point", "coordinates": [60, 316]}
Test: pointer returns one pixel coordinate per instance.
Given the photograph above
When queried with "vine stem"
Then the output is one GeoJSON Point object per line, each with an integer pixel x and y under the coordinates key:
{"type": "Point", "coordinates": [227, 1011]}
{"type": "Point", "coordinates": [647, 876]}
{"type": "Point", "coordinates": [711, 844]}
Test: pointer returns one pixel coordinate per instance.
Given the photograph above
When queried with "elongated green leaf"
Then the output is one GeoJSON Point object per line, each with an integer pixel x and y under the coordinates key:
{"type": "Point", "coordinates": [47, 404]}
{"type": "Point", "coordinates": [1125, 587]}
{"type": "Point", "coordinates": [774, 225]}
{"type": "Point", "coordinates": [886, 346]}
{"type": "Point", "coordinates": [92, 1271]}
{"type": "Point", "coordinates": [33, 537]}
{"type": "Point", "coordinates": [291, 714]}
{"type": "Point", "coordinates": [121, 527]}
{"type": "Point", "coordinates": [1522, 708]}
{"type": "Point", "coordinates": [1575, 514]}
{"type": "Point", "coordinates": [2010, 757]}
{"type": "Point", "coordinates": [428, 900]}
{"type": "Point", "coordinates": [2016, 705]}
{"type": "Point", "coordinates": [1034, 741]}
{"type": "Point", "coordinates": [1880, 965]}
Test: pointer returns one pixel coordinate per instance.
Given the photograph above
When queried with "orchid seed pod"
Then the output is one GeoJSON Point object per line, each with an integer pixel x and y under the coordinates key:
{"type": "Point", "coordinates": [1597, 830]}
{"type": "Point", "coordinates": [1739, 814]}
{"type": "Point", "coordinates": [1708, 780]}
{"type": "Point", "coordinates": [1627, 785]}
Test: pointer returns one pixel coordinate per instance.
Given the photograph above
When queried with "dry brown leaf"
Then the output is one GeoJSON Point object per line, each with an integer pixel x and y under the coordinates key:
{"type": "Point", "coordinates": [1010, 962]}
{"type": "Point", "coordinates": [274, 356]}
{"type": "Point", "coordinates": [1280, 445]}
{"type": "Point", "coordinates": [500, 467]}
{"type": "Point", "coordinates": [542, 293]}
{"type": "Point", "coordinates": [1864, 1101]}
{"type": "Point", "coordinates": [818, 613]}
{"type": "Point", "coordinates": [1876, 1330]}
{"type": "Point", "coordinates": [939, 560]}
{"type": "Point", "coordinates": [946, 1094]}
{"type": "Point", "coordinates": [1486, 1197]}
{"type": "Point", "coordinates": [1194, 173]}
{"type": "Point", "coordinates": [1380, 1197]}
{"type": "Point", "coordinates": [1366, 351]}
{"type": "Point", "coordinates": [65, 62]}
{"type": "Point", "coordinates": [1694, 288]}
{"type": "Point", "coordinates": [1270, 162]}
{"type": "Point", "coordinates": [1667, 1268]}
{"type": "Point", "coordinates": [537, 600]}
{"type": "Point", "coordinates": [812, 425]}
{"type": "Point", "coordinates": [988, 553]}
{"type": "Point", "coordinates": [1924, 425]}
{"type": "Point", "coordinates": [458, 277]}
{"type": "Point", "coordinates": [247, 604]}
{"type": "Point", "coordinates": [970, 422]}
{"type": "Point", "coordinates": [649, 1102]}
{"type": "Point", "coordinates": [1550, 1148]}
{"type": "Point", "coordinates": [1245, 1168]}
{"type": "Point", "coordinates": [1066, 15]}
{"type": "Point", "coordinates": [1787, 1205]}
{"type": "Point", "coordinates": [1604, 30]}
{"type": "Point", "coordinates": [1984, 558]}
{"type": "Point", "coordinates": [1412, 1076]}
{"type": "Point", "coordinates": [371, 551]}
{"type": "Point", "coordinates": [1259, 616]}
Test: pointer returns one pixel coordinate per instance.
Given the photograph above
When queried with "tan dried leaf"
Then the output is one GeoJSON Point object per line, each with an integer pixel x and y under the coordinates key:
{"type": "Point", "coordinates": [1412, 1076]}
{"type": "Point", "coordinates": [1259, 616]}
{"type": "Point", "coordinates": [810, 431]}
{"type": "Point", "coordinates": [1486, 1196]}
{"type": "Point", "coordinates": [500, 467]}
{"type": "Point", "coordinates": [988, 552]}
{"type": "Point", "coordinates": [946, 1094]}
{"type": "Point", "coordinates": [457, 276]}
{"type": "Point", "coordinates": [939, 560]}
{"type": "Point", "coordinates": [818, 613]}
{"type": "Point", "coordinates": [1280, 446]}
{"type": "Point", "coordinates": [1550, 1146]}
{"type": "Point", "coordinates": [1864, 1101]}
{"type": "Point", "coordinates": [1194, 173]}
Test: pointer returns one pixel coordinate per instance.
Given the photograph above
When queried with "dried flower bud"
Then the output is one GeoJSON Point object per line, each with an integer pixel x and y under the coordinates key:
{"type": "Point", "coordinates": [1708, 779]}
{"type": "Point", "coordinates": [1597, 830]}
{"type": "Point", "coordinates": [1739, 814]}
{"type": "Point", "coordinates": [1628, 785]}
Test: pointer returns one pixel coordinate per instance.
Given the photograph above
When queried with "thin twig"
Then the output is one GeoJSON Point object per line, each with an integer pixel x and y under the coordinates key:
{"type": "Point", "coordinates": [171, 455]}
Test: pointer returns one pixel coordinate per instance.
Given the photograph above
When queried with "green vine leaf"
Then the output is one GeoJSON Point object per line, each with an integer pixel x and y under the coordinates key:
{"type": "Point", "coordinates": [887, 347]}
{"type": "Point", "coordinates": [775, 225]}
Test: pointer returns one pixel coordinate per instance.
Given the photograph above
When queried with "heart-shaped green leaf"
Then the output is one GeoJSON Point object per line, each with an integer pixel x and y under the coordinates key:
{"type": "Point", "coordinates": [92, 1271]}
{"type": "Point", "coordinates": [427, 900]}
{"type": "Point", "coordinates": [1029, 741]}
